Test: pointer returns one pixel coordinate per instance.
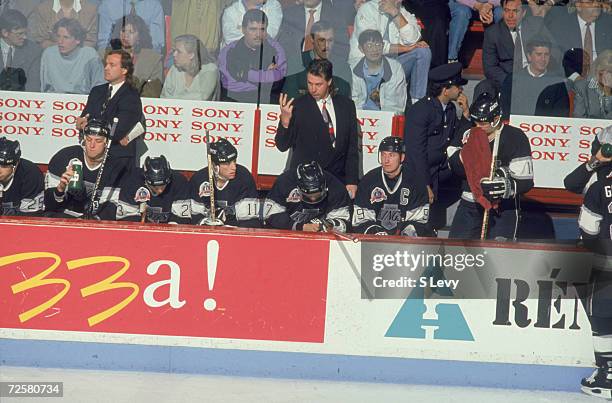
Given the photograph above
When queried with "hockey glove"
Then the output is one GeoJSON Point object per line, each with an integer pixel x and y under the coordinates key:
{"type": "Point", "coordinates": [500, 187]}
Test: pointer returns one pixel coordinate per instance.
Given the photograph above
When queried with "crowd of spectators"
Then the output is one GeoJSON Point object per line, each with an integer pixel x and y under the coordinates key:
{"type": "Point", "coordinates": [252, 50]}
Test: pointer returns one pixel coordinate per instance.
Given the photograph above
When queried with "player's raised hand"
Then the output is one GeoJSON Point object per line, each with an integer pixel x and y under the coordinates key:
{"type": "Point", "coordinates": [286, 107]}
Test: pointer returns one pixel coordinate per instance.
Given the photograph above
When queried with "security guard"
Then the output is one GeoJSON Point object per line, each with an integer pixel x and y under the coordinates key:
{"type": "Point", "coordinates": [430, 126]}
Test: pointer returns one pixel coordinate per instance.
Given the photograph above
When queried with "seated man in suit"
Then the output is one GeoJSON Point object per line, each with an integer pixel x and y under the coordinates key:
{"type": "Point", "coordinates": [117, 99]}
{"type": "Point", "coordinates": [323, 45]}
{"type": "Point", "coordinates": [69, 67]}
{"type": "Point", "coordinates": [537, 90]}
{"type": "Point", "coordinates": [298, 25]}
{"type": "Point", "coordinates": [252, 68]}
{"type": "Point", "coordinates": [379, 83]}
{"type": "Point", "coordinates": [588, 29]}
{"type": "Point", "coordinates": [22, 72]}
{"type": "Point", "coordinates": [504, 45]}
{"type": "Point", "coordinates": [321, 127]}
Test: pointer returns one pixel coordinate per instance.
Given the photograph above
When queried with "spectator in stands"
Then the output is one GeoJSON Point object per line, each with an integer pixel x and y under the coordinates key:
{"type": "Point", "coordinates": [252, 68]}
{"type": "Point", "coordinates": [295, 32]}
{"type": "Point", "coordinates": [69, 67]}
{"type": "Point", "coordinates": [25, 7]}
{"type": "Point", "coordinates": [49, 12]}
{"type": "Point", "coordinates": [379, 82]}
{"type": "Point", "coordinates": [323, 43]}
{"type": "Point", "coordinates": [231, 23]}
{"type": "Point", "coordinates": [587, 29]}
{"type": "Point", "coordinates": [539, 89]}
{"type": "Point", "coordinates": [20, 61]}
{"type": "Point", "coordinates": [194, 74]}
{"type": "Point", "coordinates": [199, 18]}
{"type": "Point", "coordinates": [504, 45]}
{"type": "Point", "coordinates": [435, 16]}
{"type": "Point", "coordinates": [131, 34]}
{"type": "Point", "coordinates": [149, 10]}
{"type": "Point", "coordinates": [462, 12]}
{"type": "Point", "coordinates": [404, 40]}
{"type": "Point", "coordinates": [594, 94]}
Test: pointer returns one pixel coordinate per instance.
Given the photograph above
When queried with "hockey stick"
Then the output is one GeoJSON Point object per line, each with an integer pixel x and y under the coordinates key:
{"type": "Point", "coordinates": [487, 212]}
{"type": "Point", "coordinates": [212, 218]}
{"type": "Point", "coordinates": [93, 205]}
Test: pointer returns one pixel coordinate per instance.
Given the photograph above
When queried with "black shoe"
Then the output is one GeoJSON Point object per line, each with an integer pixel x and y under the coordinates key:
{"type": "Point", "coordinates": [599, 384]}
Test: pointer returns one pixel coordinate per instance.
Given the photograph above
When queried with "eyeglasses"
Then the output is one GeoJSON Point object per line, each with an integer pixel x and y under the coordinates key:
{"type": "Point", "coordinates": [21, 34]}
{"type": "Point", "coordinates": [373, 45]}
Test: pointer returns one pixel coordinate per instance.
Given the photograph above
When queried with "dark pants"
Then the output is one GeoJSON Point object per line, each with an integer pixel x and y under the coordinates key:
{"type": "Point", "coordinates": [599, 310]}
{"type": "Point", "coordinates": [435, 16]}
{"type": "Point", "coordinates": [467, 223]}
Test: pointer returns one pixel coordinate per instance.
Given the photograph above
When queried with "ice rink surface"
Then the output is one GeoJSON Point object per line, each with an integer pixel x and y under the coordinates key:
{"type": "Point", "coordinates": [147, 387]}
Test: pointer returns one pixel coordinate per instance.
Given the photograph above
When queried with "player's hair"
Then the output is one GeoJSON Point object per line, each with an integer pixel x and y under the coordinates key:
{"type": "Point", "coordinates": [12, 19]}
{"type": "Point", "coordinates": [126, 63]}
{"type": "Point", "coordinates": [74, 28]}
{"type": "Point", "coordinates": [254, 15]}
{"type": "Point", "coordinates": [523, 2]}
{"type": "Point", "coordinates": [321, 68]}
{"type": "Point", "coordinates": [370, 35]}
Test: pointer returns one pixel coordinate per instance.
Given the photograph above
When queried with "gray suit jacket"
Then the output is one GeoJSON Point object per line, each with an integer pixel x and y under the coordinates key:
{"type": "Point", "coordinates": [27, 58]}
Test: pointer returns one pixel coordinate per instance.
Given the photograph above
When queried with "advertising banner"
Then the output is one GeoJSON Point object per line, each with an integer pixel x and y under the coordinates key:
{"type": "Point", "coordinates": [172, 283]}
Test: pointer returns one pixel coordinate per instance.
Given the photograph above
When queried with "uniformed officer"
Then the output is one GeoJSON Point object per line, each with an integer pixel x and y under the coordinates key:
{"type": "Point", "coordinates": [430, 126]}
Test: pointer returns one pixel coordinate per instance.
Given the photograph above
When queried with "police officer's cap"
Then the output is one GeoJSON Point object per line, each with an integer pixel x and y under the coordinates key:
{"type": "Point", "coordinates": [447, 74]}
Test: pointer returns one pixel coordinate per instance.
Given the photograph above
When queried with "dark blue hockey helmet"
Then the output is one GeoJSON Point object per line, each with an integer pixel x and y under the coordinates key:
{"type": "Point", "coordinates": [10, 151]}
{"type": "Point", "coordinates": [485, 108]}
{"type": "Point", "coordinates": [311, 181]}
{"type": "Point", "coordinates": [222, 151]}
{"type": "Point", "coordinates": [157, 171]}
{"type": "Point", "coordinates": [392, 144]}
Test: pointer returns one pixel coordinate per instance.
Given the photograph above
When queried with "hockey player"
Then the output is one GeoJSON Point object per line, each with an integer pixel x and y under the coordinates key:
{"type": "Point", "coordinates": [595, 224]}
{"type": "Point", "coordinates": [64, 201]}
{"type": "Point", "coordinates": [154, 194]}
{"type": "Point", "coordinates": [21, 182]}
{"type": "Point", "coordinates": [579, 180]}
{"type": "Point", "coordinates": [391, 199]}
{"type": "Point", "coordinates": [236, 198]}
{"type": "Point", "coordinates": [307, 199]}
{"type": "Point", "coordinates": [513, 175]}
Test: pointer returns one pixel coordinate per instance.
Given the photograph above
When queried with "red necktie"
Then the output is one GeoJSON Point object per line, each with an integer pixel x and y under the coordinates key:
{"type": "Point", "coordinates": [330, 124]}
{"type": "Point", "coordinates": [308, 44]}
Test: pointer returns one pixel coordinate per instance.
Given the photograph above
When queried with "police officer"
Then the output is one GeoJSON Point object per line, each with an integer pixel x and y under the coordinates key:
{"type": "Point", "coordinates": [430, 126]}
{"type": "Point", "coordinates": [21, 182]}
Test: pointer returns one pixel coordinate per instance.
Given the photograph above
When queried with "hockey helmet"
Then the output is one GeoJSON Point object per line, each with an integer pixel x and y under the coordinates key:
{"type": "Point", "coordinates": [485, 108]}
{"type": "Point", "coordinates": [392, 144]}
{"type": "Point", "coordinates": [222, 151]}
{"type": "Point", "coordinates": [310, 181]}
{"type": "Point", "coordinates": [10, 151]}
{"type": "Point", "coordinates": [157, 171]}
{"type": "Point", "coordinates": [97, 128]}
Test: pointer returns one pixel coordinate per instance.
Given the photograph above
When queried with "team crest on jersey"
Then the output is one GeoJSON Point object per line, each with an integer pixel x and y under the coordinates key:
{"type": "Point", "coordinates": [204, 189]}
{"type": "Point", "coordinates": [389, 216]}
{"type": "Point", "coordinates": [142, 195]}
{"type": "Point", "coordinates": [378, 195]}
{"type": "Point", "coordinates": [295, 196]}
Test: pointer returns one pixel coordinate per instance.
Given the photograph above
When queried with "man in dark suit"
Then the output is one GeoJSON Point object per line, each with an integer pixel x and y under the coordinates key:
{"type": "Point", "coordinates": [321, 127]}
{"type": "Point", "coordinates": [294, 33]}
{"type": "Point", "coordinates": [572, 32]}
{"type": "Point", "coordinates": [500, 52]}
{"type": "Point", "coordinates": [20, 61]}
{"type": "Point", "coordinates": [117, 99]}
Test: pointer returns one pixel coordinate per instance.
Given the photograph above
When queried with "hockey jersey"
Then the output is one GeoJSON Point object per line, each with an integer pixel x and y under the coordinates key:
{"type": "Point", "coordinates": [133, 197]}
{"type": "Point", "coordinates": [595, 220]}
{"type": "Point", "coordinates": [392, 206]}
{"type": "Point", "coordinates": [284, 208]}
{"type": "Point", "coordinates": [76, 204]}
{"type": "Point", "coordinates": [24, 193]}
{"type": "Point", "coordinates": [236, 203]}
{"type": "Point", "coordinates": [514, 153]}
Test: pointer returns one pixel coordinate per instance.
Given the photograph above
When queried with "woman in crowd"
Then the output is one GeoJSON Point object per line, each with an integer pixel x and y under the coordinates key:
{"type": "Point", "coordinates": [131, 34]}
{"type": "Point", "coordinates": [594, 94]}
{"type": "Point", "coordinates": [194, 74]}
